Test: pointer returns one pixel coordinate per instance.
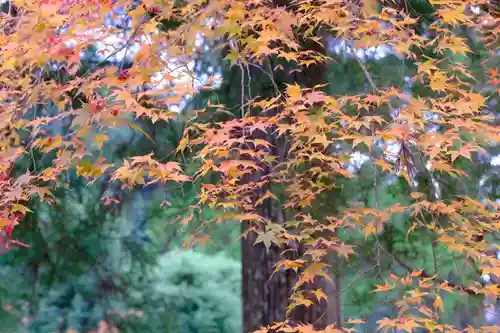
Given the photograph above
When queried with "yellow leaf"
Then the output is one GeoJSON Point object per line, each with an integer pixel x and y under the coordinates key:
{"type": "Point", "coordinates": [385, 287]}
{"type": "Point", "coordinates": [438, 81]}
{"type": "Point", "coordinates": [384, 165]}
{"type": "Point", "coordinates": [20, 208]}
{"type": "Point", "coordinates": [267, 238]}
{"type": "Point", "coordinates": [355, 321]}
{"type": "Point", "coordinates": [99, 139]}
{"type": "Point", "coordinates": [289, 264]}
{"type": "Point", "coordinates": [268, 195]}
{"type": "Point", "coordinates": [426, 67]}
{"type": "Point", "coordinates": [416, 273]}
{"type": "Point", "coordinates": [294, 92]}
{"type": "Point", "coordinates": [370, 7]}
{"type": "Point", "coordinates": [366, 139]}
{"type": "Point", "coordinates": [369, 229]}
{"type": "Point", "coordinates": [320, 295]}
{"type": "Point", "coordinates": [452, 14]}
{"type": "Point", "coordinates": [301, 300]}
{"type": "Point", "coordinates": [411, 229]}
{"type": "Point", "coordinates": [417, 195]}
{"type": "Point", "coordinates": [313, 270]}
{"type": "Point", "coordinates": [438, 303]}
{"type": "Point", "coordinates": [4, 222]}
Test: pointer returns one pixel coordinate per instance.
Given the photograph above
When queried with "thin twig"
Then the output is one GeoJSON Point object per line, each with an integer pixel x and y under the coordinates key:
{"type": "Point", "coordinates": [124, 46]}
{"type": "Point", "coordinates": [373, 132]}
{"type": "Point", "coordinates": [249, 85]}
{"type": "Point", "coordinates": [424, 274]}
{"type": "Point", "coordinates": [363, 67]}
{"type": "Point", "coordinates": [357, 278]}
{"type": "Point", "coordinates": [242, 107]}
{"type": "Point", "coordinates": [433, 243]}
{"type": "Point", "coordinates": [276, 89]}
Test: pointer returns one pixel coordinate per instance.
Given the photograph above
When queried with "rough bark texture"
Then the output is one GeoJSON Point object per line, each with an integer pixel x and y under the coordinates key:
{"type": "Point", "coordinates": [264, 298]}
{"type": "Point", "coordinates": [266, 295]}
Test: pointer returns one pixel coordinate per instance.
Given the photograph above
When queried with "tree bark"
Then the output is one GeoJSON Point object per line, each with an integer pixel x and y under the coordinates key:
{"type": "Point", "coordinates": [266, 295]}
{"type": "Point", "coordinates": [265, 298]}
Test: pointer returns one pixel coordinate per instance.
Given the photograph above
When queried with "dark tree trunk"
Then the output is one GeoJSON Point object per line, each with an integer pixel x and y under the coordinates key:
{"type": "Point", "coordinates": [264, 298]}
{"type": "Point", "coordinates": [266, 295]}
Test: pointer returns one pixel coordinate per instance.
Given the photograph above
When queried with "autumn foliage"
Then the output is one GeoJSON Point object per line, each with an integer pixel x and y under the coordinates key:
{"type": "Point", "coordinates": [306, 121]}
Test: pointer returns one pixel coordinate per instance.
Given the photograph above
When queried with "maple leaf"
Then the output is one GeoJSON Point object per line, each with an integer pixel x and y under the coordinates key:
{"type": "Point", "coordinates": [13, 195]}
{"type": "Point", "coordinates": [452, 14]}
{"type": "Point", "coordinates": [298, 300]}
{"type": "Point", "coordinates": [289, 56]}
{"type": "Point", "coordinates": [332, 329]}
{"type": "Point", "coordinates": [375, 99]}
{"type": "Point", "coordinates": [294, 92]}
{"type": "Point", "coordinates": [320, 295]}
{"type": "Point", "coordinates": [245, 217]}
{"type": "Point", "coordinates": [266, 238]}
{"type": "Point", "coordinates": [417, 195]}
{"type": "Point", "coordinates": [455, 44]}
{"type": "Point", "coordinates": [355, 321]}
{"type": "Point", "coordinates": [427, 67]}
{"type": "Point", "coordinates": [386, 322]}
{"type": "Point", "coordinates": [384, 165]}
{"type": "Point", "coordinates": [289, 264]}
{"type": "Point", "coordinates": [489, 329]}
{"type": "Point", "coordinates": [20, 208]}
{"type": "Point", "coordinates": [315, 97]}
{"type": "Point", "coordinates": [146, 159]}
{"type": "Point", "coordinates": [492, 290]}
{"type": "Point", "coordinates": [369, 229]}
{"type": "Point", "coordinates": [438, 81]}
{"type": "Point", "coordinates": [313, 270]}
{"type": "Point", "coordinates": [438, 303]}
{"type": "Point", "coordinates": [43, 193]}
{"type": "Point", "coordinates": [100, 139]}
{"type": "Point", "coordinates": [267, 195]}
{"type": "Point", "coordinates": [385, 287]}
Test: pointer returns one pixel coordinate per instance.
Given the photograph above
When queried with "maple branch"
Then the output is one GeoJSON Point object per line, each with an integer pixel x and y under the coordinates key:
{"type": "Point", "coordinates": [433, 244]}
{"type": "Point", "coordinates": [115, 52]}
{"type": "Point", "coordinates": [242, 107]}
{"type": "Point", "coordinates": [357, 278]}
{"type": "Point", "coordinates": [373, 132]}
{"type": "Point", "coordinates": [249, 86]}
{"type": "Point", "coordinates": [425, 274]}
{"type": "Point", "coordinates": [363, 67]}
{"type": "Point", "coordinates": [276, 89]}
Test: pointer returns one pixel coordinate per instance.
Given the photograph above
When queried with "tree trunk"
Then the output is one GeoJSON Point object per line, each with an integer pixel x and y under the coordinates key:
{"type": "Point", "coordinates": [266, 295]}
{"type": "Point", "coordinates": [265, 298]}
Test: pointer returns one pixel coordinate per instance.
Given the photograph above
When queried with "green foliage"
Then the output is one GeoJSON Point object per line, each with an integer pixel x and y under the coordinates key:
{"type": "Point", "coordinates": [202, 292]}
{"type": "Point", "coordinates": [167, 230]}
{"type": "Point", "coordinates": [88, 264]}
